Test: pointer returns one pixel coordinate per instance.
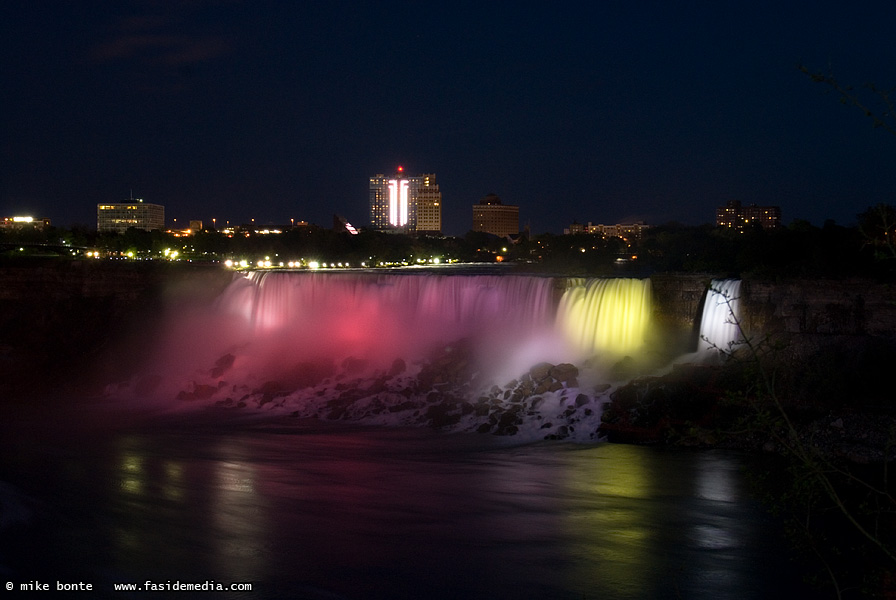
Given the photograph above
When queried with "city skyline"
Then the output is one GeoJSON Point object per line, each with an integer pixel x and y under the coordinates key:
{"type": "Point", "coordinates": [637, 112]}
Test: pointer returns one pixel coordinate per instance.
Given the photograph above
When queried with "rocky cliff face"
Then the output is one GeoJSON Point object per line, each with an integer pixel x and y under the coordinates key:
{"type": "Point", "coordinates": [800, 307]}
{"type": "Point", "coordinates": [820, 307]}
{"type": "Point", "coordinates": [679, 298]}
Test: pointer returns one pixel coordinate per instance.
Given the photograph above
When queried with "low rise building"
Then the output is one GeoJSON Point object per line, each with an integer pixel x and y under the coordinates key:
{"type": "Point", "coordinates": [631, 232]}
{"type": "Point", "coordinates": [737, 217]}
{"type": "Point", "coordinates": [23, 222]}
{"type": "Point", "coordinates": [135, 213]}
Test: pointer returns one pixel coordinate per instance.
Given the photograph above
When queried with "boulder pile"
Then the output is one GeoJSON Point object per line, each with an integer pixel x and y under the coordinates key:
{"type": "Point", "coordinates": [445, 391]}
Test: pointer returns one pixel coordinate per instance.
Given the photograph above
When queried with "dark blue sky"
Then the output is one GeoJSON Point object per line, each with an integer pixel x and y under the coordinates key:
{"type": "Point", "coordinates": [607, 112]}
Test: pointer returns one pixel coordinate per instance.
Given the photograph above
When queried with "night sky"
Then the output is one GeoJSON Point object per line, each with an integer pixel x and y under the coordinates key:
{"type": "Point", "coordinates": [598, 111]}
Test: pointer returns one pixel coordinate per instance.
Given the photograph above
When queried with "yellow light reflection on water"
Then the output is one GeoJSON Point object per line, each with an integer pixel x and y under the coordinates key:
{"type": "Point", "coordinates": [174, 484]}
{"type": "Point", "coordinates": [132, 474]}
{"type": "Point", "coordinates": [612, 537]}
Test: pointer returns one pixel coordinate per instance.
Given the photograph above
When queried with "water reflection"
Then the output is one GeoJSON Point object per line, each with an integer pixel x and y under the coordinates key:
{"type": "Point", "coordinates": [388, 514]}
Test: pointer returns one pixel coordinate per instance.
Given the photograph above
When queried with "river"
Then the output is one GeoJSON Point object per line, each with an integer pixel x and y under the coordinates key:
{"type": "Point", "coordinates": [306, 509]}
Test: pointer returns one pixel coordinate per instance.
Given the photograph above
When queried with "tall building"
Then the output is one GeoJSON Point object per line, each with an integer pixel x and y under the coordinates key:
{"type": "Point", "coordinates": [136, 213]}
{"type": "Point", "coordinates": [493, 216]}
{"type": "Point", "coordinates": [738, 217]}
{"type": "Point", "coordinates": [405, 204]}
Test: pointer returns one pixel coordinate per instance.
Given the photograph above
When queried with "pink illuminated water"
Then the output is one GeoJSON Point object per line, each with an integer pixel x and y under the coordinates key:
{"type": "Point", "coordinates": [384, 316]}
{"type": "Point", "coordinates": [268, 326]}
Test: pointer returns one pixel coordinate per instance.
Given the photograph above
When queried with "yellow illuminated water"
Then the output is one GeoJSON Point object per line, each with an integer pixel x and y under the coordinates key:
{"type": "Point", "coordinates": [606, 315]}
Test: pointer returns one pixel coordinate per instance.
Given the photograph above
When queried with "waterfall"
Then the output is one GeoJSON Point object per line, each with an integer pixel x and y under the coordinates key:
{"type": "Point", "coordinates": [461, 352]}
{"type": "Point", "coordinates": [721, 313]}
{"type": "Point", "coordinates": [594, 315]}
{"type": "Point", "coordinates": [353, 313]}
{"type": "Point", "coordinates": [274, 299]}
{"type": "Point", "coordinates": [289, 315]}
{"type": "Point", "coordinates": [602, 316]}
{"type": "Point", "coordinates": [487, 353]}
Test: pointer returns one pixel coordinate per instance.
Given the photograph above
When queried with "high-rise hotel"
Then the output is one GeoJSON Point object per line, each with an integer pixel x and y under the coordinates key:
{"type": "Point", "coordinates": [403, 204]}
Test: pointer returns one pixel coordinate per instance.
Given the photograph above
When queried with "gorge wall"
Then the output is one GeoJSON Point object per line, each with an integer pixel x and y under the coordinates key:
{"type": "Point", "coordinates": [794, 307]}
{"type": "Point", "coordinates": [821, 307]}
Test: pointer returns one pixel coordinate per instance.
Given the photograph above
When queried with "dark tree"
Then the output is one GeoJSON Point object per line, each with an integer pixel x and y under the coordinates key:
{"type": "Point", "coordinates": [876, 103]}
{"type": "Point", "coordinates": [878, 226]}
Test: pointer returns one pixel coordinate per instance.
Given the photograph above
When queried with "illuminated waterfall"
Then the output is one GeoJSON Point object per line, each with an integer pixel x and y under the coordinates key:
{"type": "Point", "coordinates": [466, 352]}
{"type": "Point", "coordinates": [606, 315]}
{"type": "Point", "coordinates": [386, 313]}
{"type": "Point", "coordinates": [721, 313]}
